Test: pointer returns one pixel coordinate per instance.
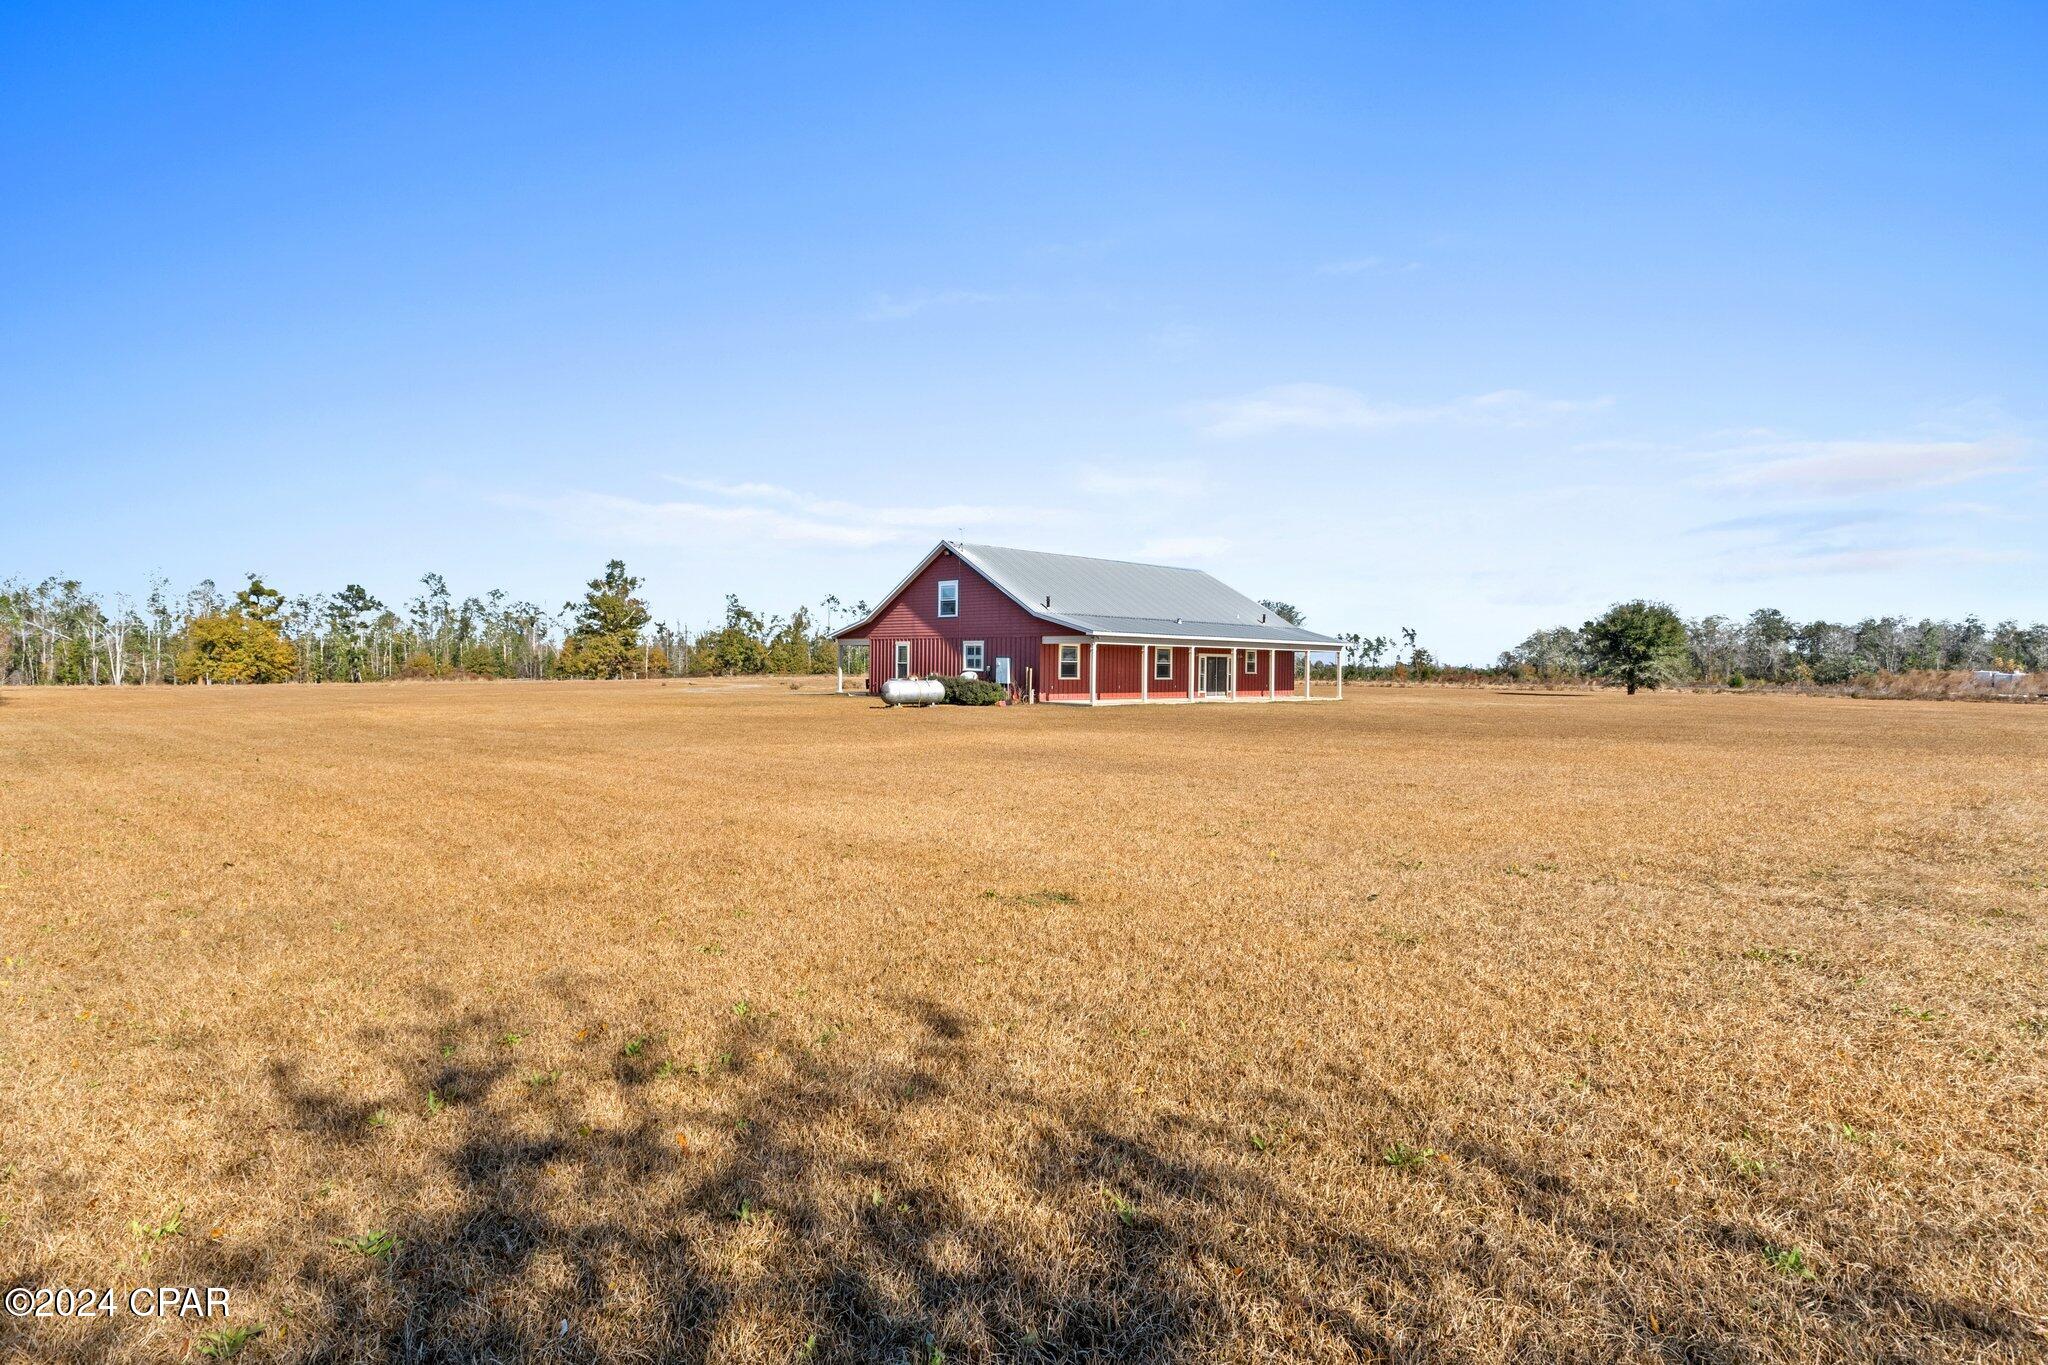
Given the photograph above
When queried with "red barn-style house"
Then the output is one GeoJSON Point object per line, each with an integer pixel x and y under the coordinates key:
{"type": "Point", "coordinates": [1065, 628]}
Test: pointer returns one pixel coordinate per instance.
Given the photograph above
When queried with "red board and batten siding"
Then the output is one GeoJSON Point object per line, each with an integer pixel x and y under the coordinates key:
{"type": "Point", "coordinates": [1005, 629]}
{"type": "Point", "coordinates": [1118, 677]}
{"type": "Point", "coordinates": [1276, 681]}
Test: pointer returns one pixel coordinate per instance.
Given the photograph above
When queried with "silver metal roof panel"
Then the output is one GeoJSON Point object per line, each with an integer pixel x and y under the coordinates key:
{"type": "Point", "coordinates": [1118, 597]}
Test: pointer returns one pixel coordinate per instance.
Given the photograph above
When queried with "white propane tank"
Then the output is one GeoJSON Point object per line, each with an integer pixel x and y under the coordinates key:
{"type": "Point", "coordinates": [913, 692]}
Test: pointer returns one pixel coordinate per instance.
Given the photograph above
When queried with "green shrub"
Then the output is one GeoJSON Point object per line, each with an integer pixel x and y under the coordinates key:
{"type": "Point", "coordinates": [969, 691]}
{"type": "Point", "coordinates": [1736, 680]}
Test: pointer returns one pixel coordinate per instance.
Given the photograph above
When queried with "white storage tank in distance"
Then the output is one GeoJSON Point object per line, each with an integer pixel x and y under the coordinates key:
{"type": "Point", "coordinates": [913, 692]}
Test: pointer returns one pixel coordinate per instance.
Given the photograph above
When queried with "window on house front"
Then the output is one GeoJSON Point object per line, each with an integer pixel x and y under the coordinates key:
{"type": "Point", "coordinates": [1070, 661]}
{"type": "Point", "coordinates": [1162, 664]}
{"type": "Point", "coordinates": [1251, 661]}
{"type": "Point", "coordinates": [903, 658]}
{"type": "Point", "coordinates": [970, 656]}
{"type": "Point", "coordinates": [949, 597]}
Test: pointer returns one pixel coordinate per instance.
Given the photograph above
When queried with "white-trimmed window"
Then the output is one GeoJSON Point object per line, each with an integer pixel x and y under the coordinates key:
{"type": "Point", "coordinates": [971, 660]}
{"type": "Point", "coordinates": [1070, 661]}
{"type": "Point", "coordinates": [1162, 664]}
{"type": "Point", "coordinates": [1251, 661]}
{"type": "Point", "coordinates": [949, 597]}
{"type": "Point", "coordinates": [903, 658]}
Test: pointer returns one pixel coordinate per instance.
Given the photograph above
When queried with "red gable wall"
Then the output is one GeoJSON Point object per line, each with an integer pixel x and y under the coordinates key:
{"type": "Point", "coordinates": [1005, 629]}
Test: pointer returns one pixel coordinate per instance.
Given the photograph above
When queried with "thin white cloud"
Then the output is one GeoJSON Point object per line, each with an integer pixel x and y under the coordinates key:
{"type": "Point", "coordinates": [1331, 407]}
{"type": "Point", "coordinates": [1620, 445]}
{"type": "Point", "coordinates": [762, 511]}
{"type": "Point", "coordinates": [1834, 469]}
{"type": "Point", "coordinates": [1365, 265]}
{"type": "Point", "coordinates": [1183, 548]}
{"type": "Point", "coordinates": [896, 307]}
{"type": "Point", "coordinates": [1171, 480]}
{"type": "Point", "coordinates": [753, 492]}
{"type": "Point", "coordinates": [1856, 538]}
{"type": "Point", "coordinates": [1984, 511]}
{"type": "Point", "coordinates": [1520, 408]}
{"type": "Point", "coordinates": [1879, 559]}
{"type": "Point", "coordinates": [637, 521]}
{"type": "Point", "coordinates": [944, 516]}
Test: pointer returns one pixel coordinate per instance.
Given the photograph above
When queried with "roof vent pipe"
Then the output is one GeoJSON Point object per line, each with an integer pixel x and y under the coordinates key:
{"type": "Point", "coordinates": [1048, 601]}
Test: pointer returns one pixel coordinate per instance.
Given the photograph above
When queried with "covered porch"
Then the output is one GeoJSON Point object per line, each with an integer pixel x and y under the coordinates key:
{"type": "Point", "coordinates": [1080, 670]}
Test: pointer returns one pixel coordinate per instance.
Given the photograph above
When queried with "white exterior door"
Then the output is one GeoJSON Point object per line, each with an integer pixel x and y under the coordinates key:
{"type": "Point", "coordinates": [1215, 675]}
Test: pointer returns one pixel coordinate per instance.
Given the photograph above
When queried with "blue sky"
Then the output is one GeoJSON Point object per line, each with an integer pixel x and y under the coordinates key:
{"type": "Point", "coordinates": [1469, 318]}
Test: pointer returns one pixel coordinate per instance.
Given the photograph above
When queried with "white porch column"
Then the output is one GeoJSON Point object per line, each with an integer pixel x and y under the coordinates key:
{"type": "Point", "coordinates": [1192, 670]}
{"type": "Point", "coordinates": [1235, 664]}
{"type": "Point", "coordinates": [1340, 674]}
{"type": "Point", "coordinates": [1144, 672]}
{"type": "Point", "coordinates": [1273, 674]}
{"type": "Point", "coordinates": [1092, 697]}
{"type": "Point", "coordinates": [839, 663]}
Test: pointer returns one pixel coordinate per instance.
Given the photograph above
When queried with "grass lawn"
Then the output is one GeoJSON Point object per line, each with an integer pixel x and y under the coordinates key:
{"type": "Point", "coordinates": [631, 1022]}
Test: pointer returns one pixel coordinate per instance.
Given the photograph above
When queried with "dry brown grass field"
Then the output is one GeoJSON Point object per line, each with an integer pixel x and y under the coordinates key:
{"type": "Point", "coordinates": [758, 1024]}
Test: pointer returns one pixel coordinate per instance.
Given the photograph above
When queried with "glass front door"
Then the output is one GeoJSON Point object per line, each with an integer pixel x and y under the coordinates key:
{"type": "Point", "coordinates": [1215, 675]}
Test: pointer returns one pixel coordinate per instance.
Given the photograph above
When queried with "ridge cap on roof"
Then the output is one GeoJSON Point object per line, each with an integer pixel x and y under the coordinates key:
{"type": "Point", "coordinates": [1097, 559]}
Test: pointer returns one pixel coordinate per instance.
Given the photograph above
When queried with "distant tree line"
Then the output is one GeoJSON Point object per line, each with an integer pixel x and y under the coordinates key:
{"type": "Point", "coordinates": [1769, 646]}
{"type": "Point", "coordinates": [1647, 644]}
{"type": "Point", "coordinates": [57, 632]}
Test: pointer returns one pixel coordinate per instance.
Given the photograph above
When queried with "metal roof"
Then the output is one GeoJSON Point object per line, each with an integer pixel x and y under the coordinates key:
{"type": "Point", "coordinates": [1118, 597]}
{"type": "Point", "coordinates": [1115, 597]}
{"type": "Point", "coordinates": [1274, 632]}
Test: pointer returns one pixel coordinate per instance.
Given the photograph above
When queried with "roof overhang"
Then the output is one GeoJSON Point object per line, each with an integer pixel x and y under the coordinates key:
{"type": "Point", "coordinates": [1128, 638]}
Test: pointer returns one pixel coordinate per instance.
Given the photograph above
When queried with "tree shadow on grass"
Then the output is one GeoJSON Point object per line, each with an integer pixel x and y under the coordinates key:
{"type": "Point", "coordinates": [791, 1200]}
{"type": "Point", "coordinates": [822, 1209]}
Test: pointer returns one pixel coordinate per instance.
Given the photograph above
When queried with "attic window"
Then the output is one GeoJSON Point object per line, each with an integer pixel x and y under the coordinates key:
{"type": "Point", "coordinates": [949, 597]}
